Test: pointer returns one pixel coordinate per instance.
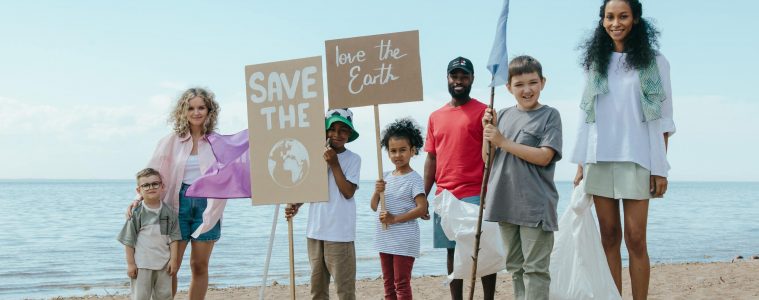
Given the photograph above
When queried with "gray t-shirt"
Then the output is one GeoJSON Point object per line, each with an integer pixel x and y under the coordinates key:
{"type": "Point", "coordinates": [520, 192]}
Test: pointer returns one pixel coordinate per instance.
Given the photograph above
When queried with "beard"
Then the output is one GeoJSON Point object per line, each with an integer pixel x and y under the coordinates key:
{"type": "Point", "coordinates": [462, 95]}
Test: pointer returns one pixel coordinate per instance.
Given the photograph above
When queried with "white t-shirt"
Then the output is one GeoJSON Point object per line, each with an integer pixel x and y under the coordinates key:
{"type": "Point", "coordinates": [191, 170]}
{"type": "Point", "coordinates": [335, 220]}
{"type": "Point", "coordinates": [620, 133]}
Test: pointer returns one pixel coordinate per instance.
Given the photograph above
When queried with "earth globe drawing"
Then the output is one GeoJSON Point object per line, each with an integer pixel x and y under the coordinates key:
{"type": "Point", "coordinates": [288, 162]}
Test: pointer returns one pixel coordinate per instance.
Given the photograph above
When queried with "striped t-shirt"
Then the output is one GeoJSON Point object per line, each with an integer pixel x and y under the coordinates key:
{"type": "Point", "coordinates": [400, 238]}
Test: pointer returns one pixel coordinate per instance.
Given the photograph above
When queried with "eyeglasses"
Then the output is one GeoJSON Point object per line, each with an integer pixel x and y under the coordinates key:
{"type": "Point", "coordinates": [150, 185]}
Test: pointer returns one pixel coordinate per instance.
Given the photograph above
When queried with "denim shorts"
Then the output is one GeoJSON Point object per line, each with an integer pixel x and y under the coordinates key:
{"type": "Point", "coordinates": [439, 239]}
{"type": "Point", "coordinates": [191, 216]}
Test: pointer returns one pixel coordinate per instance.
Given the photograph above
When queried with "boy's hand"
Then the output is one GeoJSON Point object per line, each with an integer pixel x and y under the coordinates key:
{"type": "Point", "coordinates": [426, 216]}
{"type": "Point", "coordinates": [131, 207]}
{"type": "Point", "coordinates": [173, 268]}
{"type": "Point", "coordinates": [492, 135]}
{"type": "Point", "coordinates": [292, 210]}
{"type": "Point", "coordinates": [387, 218]}
{"type": "Point", "coordinates": [488, 117]}
{"type": "Point", "coordinates": [132, 271]}
{"type": "Point", "coordinates": [330, 156]}
{"type": "Point", "coordinates": [379, 187]}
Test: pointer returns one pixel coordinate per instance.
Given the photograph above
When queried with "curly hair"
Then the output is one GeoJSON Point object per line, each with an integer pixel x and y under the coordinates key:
{"type": "Point", "coordinates": [640, 45]}
{"type": "Point", "coordinates": [405, 128]}
{"type": "Point", "coordinates": [178, 116]}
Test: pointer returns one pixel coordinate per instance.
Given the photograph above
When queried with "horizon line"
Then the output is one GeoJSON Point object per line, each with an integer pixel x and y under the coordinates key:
{"type": "Point", "coordinates": [371, 180]}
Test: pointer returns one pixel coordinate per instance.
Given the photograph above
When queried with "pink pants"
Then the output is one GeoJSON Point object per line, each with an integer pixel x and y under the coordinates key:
{"type": "Point", "coordinates": [396, 273]}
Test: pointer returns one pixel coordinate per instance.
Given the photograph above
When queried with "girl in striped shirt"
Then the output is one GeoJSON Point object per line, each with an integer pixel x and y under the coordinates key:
{"type": "Point", "coordinates": [405, 201]}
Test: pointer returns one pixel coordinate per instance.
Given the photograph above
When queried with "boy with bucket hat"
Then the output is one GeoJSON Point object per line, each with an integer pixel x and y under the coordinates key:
{"type": "Point", "coordinates": [331, 227]}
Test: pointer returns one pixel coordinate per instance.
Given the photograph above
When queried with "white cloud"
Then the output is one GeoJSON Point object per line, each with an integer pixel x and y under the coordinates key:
{"type": "Point", "coordinates": [94, 122]}
{"type": "Point", "coordinates": [173, 85]}
{"type": "Point", "coordinates": [160, 101]}
{"type": "Point", "coordinates": [716, 139]}
{"type": "Point", "coordinates": [78, 141]}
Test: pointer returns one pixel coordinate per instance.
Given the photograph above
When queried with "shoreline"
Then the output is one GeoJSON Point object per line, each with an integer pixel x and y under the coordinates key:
{"type": "Point", "coordinates": [714, 280]}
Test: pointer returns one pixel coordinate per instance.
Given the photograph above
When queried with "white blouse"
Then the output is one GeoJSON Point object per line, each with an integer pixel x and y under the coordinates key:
{"type": "Point", "coordinates": [620, 133]}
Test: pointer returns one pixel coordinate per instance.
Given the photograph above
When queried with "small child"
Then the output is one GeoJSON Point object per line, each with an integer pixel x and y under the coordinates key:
{"type": "Point", "coordinates": [405, 201]}
{"type": "Point", "coordinates": [331, 227]}
{"type": "Point", "coordinates": [521, 194]}
{"type": "Point", "coordinates": [150, 236]}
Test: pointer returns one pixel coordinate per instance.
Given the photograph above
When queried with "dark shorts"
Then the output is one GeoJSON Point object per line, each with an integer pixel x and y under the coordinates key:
{"type": "Point", "coordinates": [191, 216]}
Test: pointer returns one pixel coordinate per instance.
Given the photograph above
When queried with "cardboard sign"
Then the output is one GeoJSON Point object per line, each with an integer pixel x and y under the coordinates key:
{"type": "Point", "coordinates": [374, 69]}
{"type": "Point", "coordinates": [286, 125]}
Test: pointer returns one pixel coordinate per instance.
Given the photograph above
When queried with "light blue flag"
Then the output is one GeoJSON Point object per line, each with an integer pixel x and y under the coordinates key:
{"type": "Point", "coordinates": [498, 63]}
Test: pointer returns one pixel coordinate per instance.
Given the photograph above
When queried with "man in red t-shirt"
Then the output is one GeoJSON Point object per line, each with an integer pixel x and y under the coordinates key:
{"type": "Point", "coordinates": [454, 159]}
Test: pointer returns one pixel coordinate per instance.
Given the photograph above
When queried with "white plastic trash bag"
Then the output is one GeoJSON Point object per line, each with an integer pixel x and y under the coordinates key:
{"type": "Point", "coordinates": [578, 263]}
{"type": "Point", "coordinates": [459, 222]}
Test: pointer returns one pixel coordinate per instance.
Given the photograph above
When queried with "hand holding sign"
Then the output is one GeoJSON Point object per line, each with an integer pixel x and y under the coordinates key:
{"type": "Point", "coordinates": [330, 156]}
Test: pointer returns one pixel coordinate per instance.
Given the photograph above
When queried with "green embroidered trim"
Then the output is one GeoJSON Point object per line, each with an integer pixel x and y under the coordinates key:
{"type": "Point", "coordinates": [650, 84]}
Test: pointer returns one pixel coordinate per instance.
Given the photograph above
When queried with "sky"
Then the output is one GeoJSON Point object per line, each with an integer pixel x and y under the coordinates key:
{"type": "Point", "coordinates": [86, 86]}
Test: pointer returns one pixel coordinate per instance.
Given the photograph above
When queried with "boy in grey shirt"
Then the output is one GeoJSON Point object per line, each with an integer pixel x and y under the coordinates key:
{"type": "Point", "coordinates": [149, 237]}
{"type": "Point", "coordinates": [521, 194]}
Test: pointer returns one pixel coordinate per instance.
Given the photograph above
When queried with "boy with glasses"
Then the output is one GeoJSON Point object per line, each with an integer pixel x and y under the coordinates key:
{"type": "Point", "coordinates": [149, 237]}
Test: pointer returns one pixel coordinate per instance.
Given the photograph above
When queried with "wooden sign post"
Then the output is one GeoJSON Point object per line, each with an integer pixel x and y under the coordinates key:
{"type": "Point", "coordinates": [373, 70]}
{"type": "Point", "coordinates": [286, 127]}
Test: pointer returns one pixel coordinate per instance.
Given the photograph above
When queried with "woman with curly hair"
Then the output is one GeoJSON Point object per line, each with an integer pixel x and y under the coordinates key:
{"type": "Point", "coordinates": [621, 148]}
{"type": "Point", "coordinates": [182, 157]}
{"type": "Point", "coordinates": [405, 201]}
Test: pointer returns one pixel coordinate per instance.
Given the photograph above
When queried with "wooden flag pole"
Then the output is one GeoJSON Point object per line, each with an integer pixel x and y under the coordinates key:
{"type": "Point", "coordinates": [292, 256]}
{"type": "Point", "coordinates": [379, 158]}
{"type": "Point", "coordinates": [483, 193]}
{"type": "Point", "coordinates": [268, 253]}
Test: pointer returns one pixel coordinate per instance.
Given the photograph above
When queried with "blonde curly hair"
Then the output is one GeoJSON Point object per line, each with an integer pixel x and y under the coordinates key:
{"type": "Point", "coordinates": [178, 115]}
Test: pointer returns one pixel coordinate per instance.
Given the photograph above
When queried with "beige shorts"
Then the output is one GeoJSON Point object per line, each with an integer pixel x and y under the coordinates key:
{"type": "Point", "coordinates": [618, 180]}
{"type": "Point", "coordinates": [155, 283]}
{"type": "Point", "coordinates": [336, 260]}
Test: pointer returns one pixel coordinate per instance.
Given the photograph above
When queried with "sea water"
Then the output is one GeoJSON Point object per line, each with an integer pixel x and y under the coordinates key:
{"type": "Point", "coordinates": [58, 238]}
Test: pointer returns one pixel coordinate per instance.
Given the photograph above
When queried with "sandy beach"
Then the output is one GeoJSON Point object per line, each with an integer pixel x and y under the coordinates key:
{"type": "Point", "coordinates": [720, 280]}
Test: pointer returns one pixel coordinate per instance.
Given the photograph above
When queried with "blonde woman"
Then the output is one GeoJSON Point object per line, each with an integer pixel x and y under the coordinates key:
{"type": "Point", "coordinates": [182, 157]}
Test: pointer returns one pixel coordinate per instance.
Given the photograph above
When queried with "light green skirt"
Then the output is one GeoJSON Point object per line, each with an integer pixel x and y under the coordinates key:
{"type": "Point", "coordinates": [617, 180]}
